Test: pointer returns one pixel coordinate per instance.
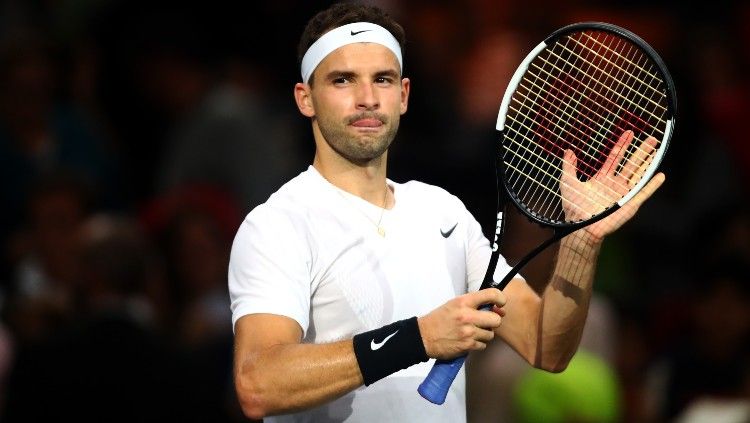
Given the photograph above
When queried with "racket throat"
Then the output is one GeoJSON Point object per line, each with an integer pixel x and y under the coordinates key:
{"type": "Point", "coordinates": [499, 230]}
{"type": "Point", "coordinates": [489, 280]}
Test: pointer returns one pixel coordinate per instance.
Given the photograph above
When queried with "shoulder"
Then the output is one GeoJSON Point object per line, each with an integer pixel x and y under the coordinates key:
{"type": "Point", "coordinates": [271, 230]}
{"type": "Point", "coordinates": [291, 200]}
{"type": "Point", "coordinates": [286, 212]}
{"type": "Point", "coordinates": [429, 195]}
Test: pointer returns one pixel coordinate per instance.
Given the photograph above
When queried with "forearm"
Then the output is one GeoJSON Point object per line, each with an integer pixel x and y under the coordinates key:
{"type": "Point", "coordinates": [565, 301]}
{"type": "Point", "coordinates": [291, 377]}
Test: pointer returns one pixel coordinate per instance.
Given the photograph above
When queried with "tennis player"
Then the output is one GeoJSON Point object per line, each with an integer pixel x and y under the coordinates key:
{"type": "Point", "coordinates": [345, 283]}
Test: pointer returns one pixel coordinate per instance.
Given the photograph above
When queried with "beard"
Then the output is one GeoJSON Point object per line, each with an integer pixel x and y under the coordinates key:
{"type": "Point", "coordinates": [363, 147]}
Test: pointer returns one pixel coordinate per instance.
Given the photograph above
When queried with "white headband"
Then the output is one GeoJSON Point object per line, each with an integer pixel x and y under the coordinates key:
{"type": "Point", "coordinates": [358, 32]}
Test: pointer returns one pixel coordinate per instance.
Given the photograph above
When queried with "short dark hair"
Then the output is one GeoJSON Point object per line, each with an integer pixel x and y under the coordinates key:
{"type": "Point", "coordinates": [341, 14]}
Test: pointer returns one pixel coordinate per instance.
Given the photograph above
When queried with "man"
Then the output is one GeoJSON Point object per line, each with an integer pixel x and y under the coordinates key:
{"type": "Point", "coordinates": [343, 278]}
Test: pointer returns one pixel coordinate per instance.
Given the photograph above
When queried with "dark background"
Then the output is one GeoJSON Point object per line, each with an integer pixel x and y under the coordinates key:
{"type": "Point", "coordinates": [134, 136]}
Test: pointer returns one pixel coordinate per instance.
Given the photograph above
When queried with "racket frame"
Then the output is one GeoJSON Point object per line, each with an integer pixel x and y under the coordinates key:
{"type": "Point", "coordinates": [515, 82]}
{"type": "Point", "coordinates": [436, 384]}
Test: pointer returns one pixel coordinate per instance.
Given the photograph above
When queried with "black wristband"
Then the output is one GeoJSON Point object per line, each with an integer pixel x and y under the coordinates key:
{"type": "Point", "coordinates": [381, 352]}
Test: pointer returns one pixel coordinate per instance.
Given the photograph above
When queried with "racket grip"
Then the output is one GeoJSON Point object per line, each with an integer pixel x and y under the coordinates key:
{"type": "Point", "coordinates": [435, 386]}
{"type": "Point", "coordinates": [438, 382]}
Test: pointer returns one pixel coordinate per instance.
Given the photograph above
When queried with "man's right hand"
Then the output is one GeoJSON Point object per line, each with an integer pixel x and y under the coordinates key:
{"type": "Point", "coordinates": [457, 327]}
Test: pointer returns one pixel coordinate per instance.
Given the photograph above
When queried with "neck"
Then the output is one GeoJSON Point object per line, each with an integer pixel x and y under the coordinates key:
{"type": "Point", "coordinates": [363, 179]}
{"type": "Point", "coordinates": [366, 180]}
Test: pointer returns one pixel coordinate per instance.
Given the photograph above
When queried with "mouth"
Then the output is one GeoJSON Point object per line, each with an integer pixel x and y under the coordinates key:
{"type": "Point", "coordinates": [367, 123]}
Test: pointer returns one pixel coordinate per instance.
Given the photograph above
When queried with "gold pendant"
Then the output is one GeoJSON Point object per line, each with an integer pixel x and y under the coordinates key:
{"type": "Point", "coordinates": [381, 231]}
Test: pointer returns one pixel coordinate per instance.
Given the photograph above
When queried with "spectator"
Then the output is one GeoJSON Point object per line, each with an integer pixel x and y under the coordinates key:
{"type": "Point", "coordinates": [109, 364]}
{"type": "Point", "coordinates": [194, 226]}
{"type": "Point", "coordinates": [39, 133]}
{"type": "Point", "coordinates": [710, 359]}
{"type": "Point", "coordinates": [41, 295]}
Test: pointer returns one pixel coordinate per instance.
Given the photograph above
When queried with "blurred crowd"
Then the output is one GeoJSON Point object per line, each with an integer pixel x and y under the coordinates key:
{"type": "Point", "coordinates": [135, 136]}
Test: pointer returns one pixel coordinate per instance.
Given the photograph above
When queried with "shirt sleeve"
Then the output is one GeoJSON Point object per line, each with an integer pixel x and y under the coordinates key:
{"type": "Point", "coordinates": [269, 269]}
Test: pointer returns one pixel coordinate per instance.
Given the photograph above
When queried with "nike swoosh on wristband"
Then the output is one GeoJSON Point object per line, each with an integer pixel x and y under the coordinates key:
{"type": "Point", "coordinates": [448, 233]}
{"type": "Point", "coordinates": [359, 32]}
{"type": "Point", "coordinates": [376, 345]}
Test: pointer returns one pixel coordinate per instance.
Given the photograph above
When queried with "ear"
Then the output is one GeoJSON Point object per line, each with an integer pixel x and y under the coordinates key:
{"type": "Point", "coordinates": [303, 97]}
{"type": "Point", "coordinates": [405, 87]}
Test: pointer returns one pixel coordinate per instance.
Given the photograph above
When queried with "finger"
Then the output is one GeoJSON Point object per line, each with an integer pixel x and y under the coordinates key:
{"type": "Point", "coordinates": [486, 319]}
{"type": "Point", "coordinates": [484, 335]}
{"type": "Point", "coordinates": [616, 154]}
{"type": "Point", "coordinates": [500, 311]}
{"type": "Point", "coordinates": [486, 296]}
{"type": "Point", "coordinates": [569, 165]}
{"type": "Point", "coordinates": [479, 346]}
{"type": "Point", "coordinates": [632, 206]}
{"type": "Point", "coordinates": [569, 174]}
{"type": "Point", "coordinates": [636, 177]}
{"type": "Point", "coordinates": [641, 155]}
{"type": "Point", "coordinates": [647, 191]}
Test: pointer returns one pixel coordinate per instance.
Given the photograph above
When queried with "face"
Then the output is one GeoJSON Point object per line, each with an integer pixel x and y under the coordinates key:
{"type": "Point", "coordinates": [356, 101]}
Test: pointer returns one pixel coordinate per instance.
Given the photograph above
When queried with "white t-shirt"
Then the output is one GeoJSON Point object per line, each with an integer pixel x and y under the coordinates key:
{"type": "Point", "coordinates": [312, 253]}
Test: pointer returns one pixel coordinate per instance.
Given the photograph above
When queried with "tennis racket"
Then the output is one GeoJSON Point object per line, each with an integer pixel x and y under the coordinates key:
{"type": "Point", "coordinates": [591, 89]}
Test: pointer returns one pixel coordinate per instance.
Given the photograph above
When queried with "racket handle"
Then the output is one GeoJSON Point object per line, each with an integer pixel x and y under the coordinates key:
{"type": "Point", "coordinates": [438, 382]}
{"type": "Point", "coordinates": [435, 386]}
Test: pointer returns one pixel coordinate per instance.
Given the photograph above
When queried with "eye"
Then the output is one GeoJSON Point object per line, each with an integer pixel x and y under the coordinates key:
{"type": "Point", "coordinates": [341, 80]}
{"type": "Point", "coordinates": [384, 80]}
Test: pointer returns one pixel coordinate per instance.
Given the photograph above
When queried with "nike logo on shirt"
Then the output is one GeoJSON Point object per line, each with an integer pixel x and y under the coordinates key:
{"type": "Point", "coordinates": [376, 345]}
{"type": "Point", "coordinates": [448, 233]}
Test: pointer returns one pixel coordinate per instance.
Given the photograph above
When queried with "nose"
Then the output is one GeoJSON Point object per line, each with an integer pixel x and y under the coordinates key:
{"type": "Point", "coordinates": [367, 98]}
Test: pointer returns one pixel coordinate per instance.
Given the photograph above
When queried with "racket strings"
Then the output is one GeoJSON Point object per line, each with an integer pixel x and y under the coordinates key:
{"type": "Point", "coordinates": [548, 166]}
{"type": "Point", "coordinates": [550, 190]}
{"type": "Point", "coordinates": [530, 184]}
{"type": "Point", "coordinates": [603, 205]}
{"type": "Point", "coordinates": [546, 171]}
{"type": "Point", "coordinates": [626, 59]}
{"type": "Point", "coordinates": [624, 71]}
{"type": "Point", "coordinates": [547, 162]}
{"type": "Point", "coordinates": [583, 94]}
{"type": "Point", "coordinates": [570, 99]}
{"type": "Point", "coordinates": [623, 80]}
{"type": "Point", "coordinates": [538, 156]}
{"type": "Point", "coordinates": [606, 87]}
{"type": "Point", "coordinates": [573, 134]}
{"type": "Point", "coordinates": [558, 147]}
{"type": "Point", "coordinates": [578, 103]}
{"type": "Point", "coordinates": [623, 97]}
{"type": "Point", "coordinates": [615, 79]}
{"type": "Point", "coordinates": [562, 129]}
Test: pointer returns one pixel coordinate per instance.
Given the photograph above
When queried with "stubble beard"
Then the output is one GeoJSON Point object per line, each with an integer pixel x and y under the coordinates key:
{"type": "Point", "coordinates": [359, 148]}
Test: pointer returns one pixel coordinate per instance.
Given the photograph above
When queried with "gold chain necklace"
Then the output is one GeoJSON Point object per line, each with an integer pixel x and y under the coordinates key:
{"type": "Point", "coordinates": [381, 229]}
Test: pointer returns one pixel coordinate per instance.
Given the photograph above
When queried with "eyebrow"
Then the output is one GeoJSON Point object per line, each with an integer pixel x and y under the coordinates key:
{"type": "Point", "coordinates": [349, 74]}
{"type": "Point", "coordinates": [390, 73]}
{"type": "Point", "coordinates": [339, 74]}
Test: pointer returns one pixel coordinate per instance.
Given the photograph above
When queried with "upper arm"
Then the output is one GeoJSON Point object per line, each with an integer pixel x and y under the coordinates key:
{"type": "Point", "coordinates": [255, 337]}
{"type": "Point", "coordinates": [262, 330]}
{"type": "Point", "coordinates": [257, 332]}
